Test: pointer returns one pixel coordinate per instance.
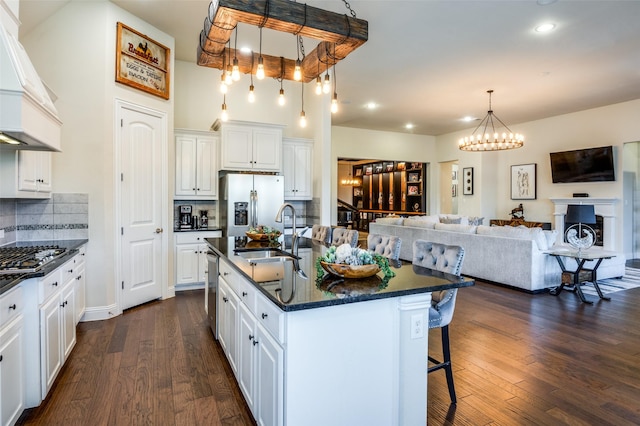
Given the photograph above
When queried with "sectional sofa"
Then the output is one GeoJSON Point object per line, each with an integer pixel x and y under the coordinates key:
{"type": "Point", "coordinates": [513, 256]}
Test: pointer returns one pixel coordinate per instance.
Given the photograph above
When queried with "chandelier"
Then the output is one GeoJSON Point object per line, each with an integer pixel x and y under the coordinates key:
{"type": "Point", "coordinates": [488, 139]}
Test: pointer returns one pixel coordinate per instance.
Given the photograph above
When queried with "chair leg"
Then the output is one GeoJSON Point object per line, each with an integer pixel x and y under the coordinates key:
{"type": "Point", "coordinates": [447, 363]}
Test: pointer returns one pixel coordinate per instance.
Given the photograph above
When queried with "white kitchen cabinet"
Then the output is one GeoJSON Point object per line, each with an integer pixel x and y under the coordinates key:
{"type": "Point", "coordinates": [12, 381]}
{"type": "Point", "coordinates": [297, 168]}
{"type": "Point", "coordinates": [80, 283]}
{"type": "Point", "coordinates": [25, 174]}
{"type": "Point", "coordinates": [258, 326]}
{"type": "Point", "coordinates": [191, 256]}
{"type": "Point", "coordinates": [251, 146]}
{"type": "Point", "coordinates": [196, 165]}
{"type": "Point", "coordinates": [57, 332]}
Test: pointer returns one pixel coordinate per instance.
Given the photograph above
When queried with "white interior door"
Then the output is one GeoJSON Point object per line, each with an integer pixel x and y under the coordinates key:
{"type": "Point", "coordinates": [141, 205]}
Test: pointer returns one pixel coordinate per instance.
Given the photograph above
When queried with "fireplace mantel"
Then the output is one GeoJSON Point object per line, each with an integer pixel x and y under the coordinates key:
{"type": "Point", "coordinates": [604, 207]}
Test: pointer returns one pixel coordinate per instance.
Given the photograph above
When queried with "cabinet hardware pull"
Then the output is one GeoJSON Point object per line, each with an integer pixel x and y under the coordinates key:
{"type": "Point", "coordinates": [79, 277]}
{"type": "Point", "coordinates": [250, 337]}
{"type": "Point", "coordinates": [70, 271]}
{"type": "Point", "coordinates": [159, 230]}
{"type": "Point", "coordinates": [13, 307]}
{"type": "Point", "coordinates": [55, 284]}
{"type": "Point", "coordinates": [225, 274]}
{"type": "Point", "coordinates": [264, 316]}
{"type": "Point", "coordinates": [255, 342]}
{"type": "Point", "coordinates": [62, 305]}
{"type": "Point", "coordinates": [244, 294]}
{"type": "Point", "coordinates": [225, 299]}
{"type": "Point", "coordinates": [1, 358]}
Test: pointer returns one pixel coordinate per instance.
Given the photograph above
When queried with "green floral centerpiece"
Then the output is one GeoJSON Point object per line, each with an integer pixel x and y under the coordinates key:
{"type": "Point", "coordinates": [352, 262]}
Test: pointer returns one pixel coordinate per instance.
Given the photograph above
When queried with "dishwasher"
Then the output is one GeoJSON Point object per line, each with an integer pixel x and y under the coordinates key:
{"type": "Point", "coordinates": [211, 289]}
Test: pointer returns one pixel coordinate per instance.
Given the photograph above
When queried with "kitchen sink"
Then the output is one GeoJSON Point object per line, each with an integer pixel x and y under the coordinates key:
{"type": "Point", "coordinates": [265, 255]}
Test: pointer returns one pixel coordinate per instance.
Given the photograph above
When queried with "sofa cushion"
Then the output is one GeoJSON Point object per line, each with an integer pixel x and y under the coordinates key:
{"type": "Point", "coordinates": [390, 220]}
{"type": "Point", "coordinates": [450, 220]}
{"type": "Point", "coordinates": [419, 223]}
{"type": "Point", "coordinates": [455, 227]}
{"type": "Point", "coordinates": [551, 237]}
{"type": "Point", "coordinates": [520, 232]}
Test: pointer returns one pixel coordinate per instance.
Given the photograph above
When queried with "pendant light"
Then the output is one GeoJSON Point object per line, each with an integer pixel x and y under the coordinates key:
{"type": "Point", "coordinates": [303, 118]}
{"type": "Point", "coordinates": [224, 116]}
{"type": "Point", "coordinates": [252, 96]}
{"type": "Point", "coordinates": [235, 70]}
{"type": "Point", "coordinates": [334, 100]}
{"type": "Point", "coordinates": [281, 98]}
{"type": "Point", "coordinates": [260, 70]}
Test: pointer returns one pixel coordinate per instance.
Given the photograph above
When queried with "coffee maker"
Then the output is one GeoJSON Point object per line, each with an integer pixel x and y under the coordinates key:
{"type": "Point", "coordinates": [204, 219]}
{"type": "Point", "coordinates": [185, 217]}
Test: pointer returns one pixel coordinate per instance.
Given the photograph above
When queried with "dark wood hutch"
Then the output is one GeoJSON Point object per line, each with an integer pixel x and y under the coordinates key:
{"type": "Point", "coordinates": [389, 187]}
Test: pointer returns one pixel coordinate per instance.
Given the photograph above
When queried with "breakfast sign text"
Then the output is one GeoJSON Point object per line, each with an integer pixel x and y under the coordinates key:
{"type": "Point", "coordinates": [142, 62]}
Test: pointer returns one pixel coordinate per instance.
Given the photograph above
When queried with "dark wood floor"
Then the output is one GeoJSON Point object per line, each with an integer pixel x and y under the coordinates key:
{"type": "Point", "coordinates": [519, 359]}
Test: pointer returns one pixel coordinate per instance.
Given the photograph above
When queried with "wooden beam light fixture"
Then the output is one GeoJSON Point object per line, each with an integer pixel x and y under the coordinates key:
{"type": "Point", "coordinates": [339, 35]}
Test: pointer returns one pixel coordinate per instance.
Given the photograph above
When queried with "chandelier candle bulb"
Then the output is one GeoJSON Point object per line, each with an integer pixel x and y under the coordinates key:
{"type": "Point", "coordinates": [252, 96]}
{"type": "Point", "coordinates": [281, 99]}
{"type": "Point", "coordinates": [318, 85]}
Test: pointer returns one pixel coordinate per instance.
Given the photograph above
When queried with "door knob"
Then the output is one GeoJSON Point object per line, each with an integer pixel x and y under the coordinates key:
{"type": "Point", "coordinates": [159, 230]}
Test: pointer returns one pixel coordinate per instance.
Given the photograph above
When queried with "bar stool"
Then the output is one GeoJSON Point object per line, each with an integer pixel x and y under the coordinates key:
{"type": "Point", "coordinates": [384, 245]}
{"type": "Point", "coordinates": [446, 259]}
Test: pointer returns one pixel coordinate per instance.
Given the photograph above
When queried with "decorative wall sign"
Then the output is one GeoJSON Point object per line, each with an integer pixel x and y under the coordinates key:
{"type": "Point", "coordinates": [523, 182]}
{"type": "Point", "coordinates": [467, 181]}
{"type": "Point", "coordinates": [142, 62]}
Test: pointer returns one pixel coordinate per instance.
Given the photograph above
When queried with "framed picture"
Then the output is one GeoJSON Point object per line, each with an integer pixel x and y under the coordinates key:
{"type": "Point", "coordinates": [412, 190]}
{"type": "Point", "coordinates": [357, 191]}
{"type": "Point", "coordinates": [467, 181]}
{"type": "Point", "coordinates": [388, 166]}
{"type": "Point", "coordinates": [414, 177]}
{"type": "Point", "coordinates": [523, 182]}
{"type": "Point", "coordinates": [141, 62]}
{"type": "Point", "coordinates": [368, 170]}
{"type": "Point", "coordinates": [377, 168]}
{"type": "Point", "coordinates": [401, 166]}
{"type": "Point", "coordinates": [358, 172]}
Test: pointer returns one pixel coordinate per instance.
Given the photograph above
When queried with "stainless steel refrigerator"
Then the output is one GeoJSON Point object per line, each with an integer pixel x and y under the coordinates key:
{"type": "Point", "coordinates": [248, 200]}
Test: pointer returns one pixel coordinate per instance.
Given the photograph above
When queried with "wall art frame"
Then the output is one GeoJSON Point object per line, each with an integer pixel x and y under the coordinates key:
{"type": "Point", "coordinates": [142, 62]}
{"type": "Point", "coordinates": [467, 181]}
{"type": "Point", "coordinates": [524, 181]}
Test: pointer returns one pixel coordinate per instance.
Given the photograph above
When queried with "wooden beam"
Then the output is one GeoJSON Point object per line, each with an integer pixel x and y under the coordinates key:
{"type": "Point", "coordinates": [339, 35]}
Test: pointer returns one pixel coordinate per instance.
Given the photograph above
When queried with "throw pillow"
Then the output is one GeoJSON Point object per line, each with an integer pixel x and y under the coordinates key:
{"type": "Point", "coordinates": [450, 220]}
{"type": "Point", "coordinates": [474, 220]}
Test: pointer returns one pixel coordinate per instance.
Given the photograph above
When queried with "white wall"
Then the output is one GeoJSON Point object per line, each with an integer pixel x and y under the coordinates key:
{"type": "Point", "coordinates": [74, 51]}
{"type": "Point", "coordinates": [609, 125]}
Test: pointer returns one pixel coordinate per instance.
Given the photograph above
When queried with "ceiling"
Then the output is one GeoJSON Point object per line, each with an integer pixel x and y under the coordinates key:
{"type": "Point", "coordinates": [430, 63]}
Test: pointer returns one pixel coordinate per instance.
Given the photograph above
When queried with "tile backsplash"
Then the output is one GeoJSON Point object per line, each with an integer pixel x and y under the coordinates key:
{"type": "Point", "coordinates": [62, 217]}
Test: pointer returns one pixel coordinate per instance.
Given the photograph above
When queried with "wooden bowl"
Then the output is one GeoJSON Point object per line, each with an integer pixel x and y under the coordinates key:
{"type": "Point", "coordinates": [262, 237]}
{"type": "Point", "coordinates": [350, 271]}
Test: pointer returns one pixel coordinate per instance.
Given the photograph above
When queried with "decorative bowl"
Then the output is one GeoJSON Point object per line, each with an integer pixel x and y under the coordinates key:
{"type": "Point", "coordinates": [350, 271]}
{"type": "Point", "coordinates": [342, 288]}
{"type": "Point", "coordinates": [262, 237]}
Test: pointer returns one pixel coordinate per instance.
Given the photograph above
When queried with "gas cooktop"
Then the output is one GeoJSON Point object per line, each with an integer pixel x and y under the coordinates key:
{"type": "Point", "coordinates": [15, 260]}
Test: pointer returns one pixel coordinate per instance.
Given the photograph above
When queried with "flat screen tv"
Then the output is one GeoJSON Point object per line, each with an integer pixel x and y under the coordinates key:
{"type": "Point", "coordinates": [583, 165]}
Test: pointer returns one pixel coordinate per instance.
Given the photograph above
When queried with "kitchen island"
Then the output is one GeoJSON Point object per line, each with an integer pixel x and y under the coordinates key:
{"type": "Point", "coordinates": [323, 350]}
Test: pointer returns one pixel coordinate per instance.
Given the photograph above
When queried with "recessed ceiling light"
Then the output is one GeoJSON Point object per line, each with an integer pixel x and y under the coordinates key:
{"type": "Point", "coordinates": [246, 50]}
{"type": "Point", "coordinates": [545, 28]}
{"type": "Point", "coordinates": [469, 118]}
{"type": "Point", "coordinates": [372, 105]}
{"type": "Point", "coordinates": [408, 126]}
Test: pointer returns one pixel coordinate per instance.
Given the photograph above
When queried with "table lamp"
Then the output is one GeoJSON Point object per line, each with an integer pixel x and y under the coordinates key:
{"type": "Point", "coordinates": [579, 235]}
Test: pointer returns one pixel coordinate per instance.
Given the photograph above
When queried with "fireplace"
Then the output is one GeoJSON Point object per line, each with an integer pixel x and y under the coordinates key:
{"type": "Point", "coordinates": [598, 227]}
{"type": "Point", "coordinates": [605, 208]}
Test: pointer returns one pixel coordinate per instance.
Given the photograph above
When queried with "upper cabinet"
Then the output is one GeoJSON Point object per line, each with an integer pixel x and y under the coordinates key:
{"type": "Point", "coordinates": [196, 165]}
{"type": "Point", "coordinates": [25, 174]}
{"type": "Point", "coordinates": [297, 168]}
{"type": "Point", "coordinates": [251, 146]}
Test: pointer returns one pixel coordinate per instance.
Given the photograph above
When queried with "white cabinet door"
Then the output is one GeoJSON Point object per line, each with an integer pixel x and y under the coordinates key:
{"type": "Point", "coordinates": [34, 171]}
{"type": "Point", "coordinates": [246, 356]}
{"type": "Point", "coordinates": [80, 293]}
{"type": "Point", "coordinates": [267, 149]}
{"type": "Point", "coordinates": [228, 304]}
{"type": "Point", "coordinates": [237, 148]}
{"type": "Point", "coordinates": [187, 263]}
{"type": "Point", "coordinates": [68, 317]}
{"type": "Point", "coordinates": [203, 266]}
{"type": "Point", "coordinates": [269, 379]}
{"type": "Point", "coordinates": [50, 342]}
{"type": "Point", "coordinates": [12, 380]}
{"type": "Point", "coordinates": [297, 168]}
{"type": "Point", "coordinates": [196, 165]}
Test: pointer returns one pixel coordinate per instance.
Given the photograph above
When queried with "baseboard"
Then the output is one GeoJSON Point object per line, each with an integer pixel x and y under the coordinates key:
{"type": "Point", "coordinates": [100, 313]}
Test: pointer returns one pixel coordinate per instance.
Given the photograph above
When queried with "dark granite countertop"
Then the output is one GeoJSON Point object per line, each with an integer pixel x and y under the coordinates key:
{"type": "Point", "coordinates": [279, 282]}
{"type": "Point", "coordinates": [197, 230]}
{"type": "Point", "coordinates": [7, 282]}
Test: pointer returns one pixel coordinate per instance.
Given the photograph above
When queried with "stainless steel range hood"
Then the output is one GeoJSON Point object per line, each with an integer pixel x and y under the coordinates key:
{"type": "Point", "coordinates": [28, 118]}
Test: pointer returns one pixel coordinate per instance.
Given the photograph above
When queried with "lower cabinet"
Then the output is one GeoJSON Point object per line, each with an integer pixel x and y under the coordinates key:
{"type": "Point", "coordinates": [57, 333]}
{"type": "Point", "coordinates": [255, 356]}
{"type": "Point", "coordinates": [11, 357]}
{"type": "Point", "coordinates": [191, 256]}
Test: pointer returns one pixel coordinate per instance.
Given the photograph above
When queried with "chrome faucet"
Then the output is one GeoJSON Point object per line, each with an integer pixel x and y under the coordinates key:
{"type": "Point", "coordinates": [294, 238]}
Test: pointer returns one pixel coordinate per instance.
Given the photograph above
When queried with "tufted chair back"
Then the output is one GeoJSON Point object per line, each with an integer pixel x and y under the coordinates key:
{"type": "Point", "coordinates": [442, 258]}
{"type": "Point", "coordinates": [344, 236]}
{"type": "Point", "coordinates": [384, 245]}
{"type": "Point", "coordinates": [321, 233]}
